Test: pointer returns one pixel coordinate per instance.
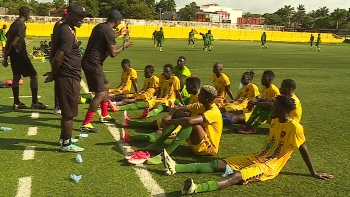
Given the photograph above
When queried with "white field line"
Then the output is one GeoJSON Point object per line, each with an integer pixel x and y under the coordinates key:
{"type": "Point", "coordinates": [145, 176]}
{"type": "Point", "coordinates": [32, 131]}
{"type": "Point", "coordinates": [34, 115]}
{"type": "Point", "coordinates": [24, 187]}
{"type": "Point", "coordinates": [29, 153]}
{"type": "Point", "coordinates": [112, 71]}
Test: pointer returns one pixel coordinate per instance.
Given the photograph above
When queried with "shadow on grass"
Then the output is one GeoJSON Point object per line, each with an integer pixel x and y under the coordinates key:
{"type": "Point", "coordinates": [295, 174]}
{"type": "Point", "coordinates": [14, 144]}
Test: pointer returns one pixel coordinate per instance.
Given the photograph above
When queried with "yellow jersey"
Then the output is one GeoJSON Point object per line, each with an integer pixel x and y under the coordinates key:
{"type": "Point", "coordinates": [281, 141]}
{"type": "Point", "coordinates": [168, 87]}
{"type": "Point", "coordinates": [297, 112]}
{"type": "Point", "coordinates": [248, 91]}
{"type": "Point", "coordinates": [271, 92]}
{"type": "Point", "coordinates": [194, 98]}
{"type": "Point", "coordinates": [220, 84]}
{"type": "Point", "coordinates": [126, 82]}
{"type": "Point", "coordinates": [212, 124]}
{"type": "Point", "coordinates": [150, 87]}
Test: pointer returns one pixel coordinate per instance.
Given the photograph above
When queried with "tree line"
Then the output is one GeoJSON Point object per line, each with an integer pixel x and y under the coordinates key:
{"type": "Point", "coordinates": [287, 16]}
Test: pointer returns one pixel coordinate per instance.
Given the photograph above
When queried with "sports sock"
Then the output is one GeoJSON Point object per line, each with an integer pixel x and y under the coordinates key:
{"type": "Point", "coordinates": [144, 138]}
{"type": "Point", "coordinates": [140, 124]}
{"type": "Point", "coordinates": [154, 112]}
{"type": "Point", "coordinates": [254, 115]}
{"type": "Point", "coordinates": [132, 106]}
{"type": "Point", "coordinates": [88, 117]}
{"type": "Point", "coordinates": [34, 95]}
{"type": "Point", "coordinates": [15, 91]}
{"type": "Point", "coordinates": [207, 186]}
{"type": "Point", "coordinates": [209, 167]}
{"type": "Point", "coordinates": [160, 141]}
{"type": "Point", "coordinates": [180, 137]}
{"type": "Point", "coordinates": [104, 108]}
{"type": "Point", "coordinates": [264, 115]}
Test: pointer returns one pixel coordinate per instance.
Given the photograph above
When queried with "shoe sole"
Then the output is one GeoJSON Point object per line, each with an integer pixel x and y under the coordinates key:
{"type": "Point", "coordinates": [87, 130]}
{"type": "Point", "coordinates": [137, 162]}
{"type": "Point", "coordinates": [187, 186]}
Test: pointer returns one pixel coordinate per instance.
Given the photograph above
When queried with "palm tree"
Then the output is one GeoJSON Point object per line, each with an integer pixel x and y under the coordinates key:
{"type": "Point", "coordinates": [246, 15]}
{"type": "Point", "coordinates": [312, 14]}
{"type": "Point", "coordinates": [170, 5]}
{"type": "Point", "coordinates": [322, 12]}
{"type": "Point", "coordinates": [340, 16]}
{"type": "Point", "coordinates": [300, 14]}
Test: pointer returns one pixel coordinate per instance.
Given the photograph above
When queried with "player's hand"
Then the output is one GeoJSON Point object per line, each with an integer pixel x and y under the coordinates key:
{"type": "Point", "coordinates": [127, 44]}
{"type": "Point", "coordinates": [5, 63]}
{"type": "Point", "coordinates": [49, 77]}
{"type": "Point", "coordinates": [323, 176]}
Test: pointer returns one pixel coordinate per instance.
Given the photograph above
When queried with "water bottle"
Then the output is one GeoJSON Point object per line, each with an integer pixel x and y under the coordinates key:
{"type": "Point", "coordinates": [6, 129]}
{"type": "Point", "coordinates": [83, 135]}
{"type": "Point", "coordinates": [240, 86]}
{"type": "Point", "coordinates": [79, 159]}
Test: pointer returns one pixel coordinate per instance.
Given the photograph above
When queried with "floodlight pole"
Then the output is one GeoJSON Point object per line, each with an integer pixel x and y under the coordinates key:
{"type": "Point", "coordinates": [160, 14]}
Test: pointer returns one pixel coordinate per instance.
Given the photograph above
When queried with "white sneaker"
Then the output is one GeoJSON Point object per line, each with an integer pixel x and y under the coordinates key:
{"type": "Point", "coordinates": [57, 111]}
{"type": "Point", "coordinates": [169, 163]}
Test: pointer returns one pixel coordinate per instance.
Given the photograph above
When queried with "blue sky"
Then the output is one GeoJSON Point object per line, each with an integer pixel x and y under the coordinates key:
{"type": "Point", "coordinates": [263, 6]}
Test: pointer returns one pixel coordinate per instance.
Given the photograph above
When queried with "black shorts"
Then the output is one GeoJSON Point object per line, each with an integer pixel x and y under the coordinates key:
{"type": "Point", "coordinates": [68, 92]}
{"type": "Point", "coordinates": [95, 77]}
{"type": "Point", "coordinates": [21, 65]}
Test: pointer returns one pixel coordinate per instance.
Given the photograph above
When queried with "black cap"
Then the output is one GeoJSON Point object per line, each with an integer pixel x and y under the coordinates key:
{"type": "Point", "coordinates": [78, 9]}
{"type": "Point", "coordinates": [115, 14]}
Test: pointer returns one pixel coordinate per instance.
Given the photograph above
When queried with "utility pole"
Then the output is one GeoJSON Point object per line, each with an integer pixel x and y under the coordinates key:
{"type": "Point", "coordinates": [160, 13]}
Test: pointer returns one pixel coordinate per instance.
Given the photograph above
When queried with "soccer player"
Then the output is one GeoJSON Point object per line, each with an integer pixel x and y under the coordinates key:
{"type": "Point", "coordinates": [287, 88]}
{"type": "Point", "coordinates": [262, 111]}
{"type": "Point", "coordinates": [126, 36]}
{"type": "Point", "coordinates": [193, 86]}
{"type": "Point", "coordinates": [128, 79]}
{"type": "Point", "coordinates": [20, 62]}
{"type": "Point", "coordinates": [101, 44]}
{"type": "Point", "coordinates": [82, 48]}
{"type": "Point", "coordinates": [160, 39]}
{"type": "Point", "coordinates": [66, 70]}
{"type": "Point", "coordinates": [318, 42]}
{"type": "Point", "coordinates": [182, 72]}
{"type": "Point", "coordinates": [312, 38]}
{"type": "Point", "coordinates": [154, 37]}
{"type": "Point", "coordinates": [209, 38]}
{"type": "Point", "coordinates": [263, 41]}
{"type": "Point", "coordinates": [245, 94]}
{"type": "Point", "coordinates": [285, 135]}
{"type": "Point", "coordinates": [222, 84]}
{"type": "Point", "coordinates": [3, 40]}
{"type": "Point", "coordinates": [149, 89]}
{"type": "Point", "coordinates": [51, 55]}
{"type": "Point", "coordinates": [168, 92]}
{"type": "Point", "coordinates": [202, 130]}
{"type": "Point", "coordinates": [191, 39]}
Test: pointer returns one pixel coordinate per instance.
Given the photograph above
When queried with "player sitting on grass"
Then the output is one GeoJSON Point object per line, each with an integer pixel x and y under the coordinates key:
{"type": "Point", "coordinates": [285, 135]}
{"type": "Point", "coordinates": [262, 111]}
{"type": "Point", "coordinates": [202, 130]}
{"type": "Point", "coordinates": [150, 87]}
{"type": "Point", "coordinates": [244, 95]}
{"type": "Point", "coordinates": [193, 85]}
{"type": "Point", "coordinates": [222, 84]}
{"type": "Point", "coordinates": [169, 91]}
{"type": "Point", "coordinates": [129, 78]}
{"type": "Point", "coordinates": [182, 72]}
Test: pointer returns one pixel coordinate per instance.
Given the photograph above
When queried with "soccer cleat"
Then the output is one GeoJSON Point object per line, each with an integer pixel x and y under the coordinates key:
{"type": "Point", "coordinates": [160, 49]}
{"type": "Point", "coordinates": [107, 119]}
{"type": "Point", "coordinates": [57, 111]}
{"type": "Point", "coordinates": [39, 105]}
{"type": "Point", "coordinates": [189, 187]}
{"type": "Point", "coordinates": [124, 136]}
{"type": "Point", "coordinates": [139, 157]}
{"type": "Point", "coordinates": [145, 114]}
{"type": "Point", "coordinates": [72, 140]}
{"type": "Point", "coordinates": [88, 128]}
{"type": "Point", "coordinates": [126, 119]}
{"type": "Point", "coordinates": [247, 130]}
{"type": "Point", "coordinates": [113, 106]}
{"type": "Point", "coordinates": [20, 105]}
{"type": "Point", "coordinates": [72, 148]}
{"type": "Point", "coordinates": [169, 163]}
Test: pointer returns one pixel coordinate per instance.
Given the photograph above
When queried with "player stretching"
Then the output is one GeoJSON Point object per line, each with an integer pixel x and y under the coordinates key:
{"type": "Point", "coordinates": [263, 41]}
{"type": "Point", "coordinates": [285, 135]}
{"type": "Point", "coordinates": [312, 38]}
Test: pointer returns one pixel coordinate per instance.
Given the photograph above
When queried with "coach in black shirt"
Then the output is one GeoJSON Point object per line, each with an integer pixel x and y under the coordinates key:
{"type": "Point", "coordinates": [66, 70]}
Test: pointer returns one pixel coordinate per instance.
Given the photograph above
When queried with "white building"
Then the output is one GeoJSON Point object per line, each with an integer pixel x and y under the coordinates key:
{"type": "Point", "coordinates": [228, 14]}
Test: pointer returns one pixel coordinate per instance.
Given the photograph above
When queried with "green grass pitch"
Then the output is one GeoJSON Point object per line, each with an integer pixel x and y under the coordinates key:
{"type": "Point", "coordinates": [322, 85]}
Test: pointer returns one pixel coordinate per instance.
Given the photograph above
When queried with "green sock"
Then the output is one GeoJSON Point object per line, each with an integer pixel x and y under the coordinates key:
{"type": "Point", "coordinates": [160, 141]}
{"type": "Point", "coordinates": [131, 106]}
{"type": "Point", "coordinates": [198, 167]}
{"type": "Point", "coordinates": [141, 105]}
{"type": "Point", "coordinates": [141, 124]}
{"type": "Point", "coordinates": [156, 111]}
{"type": "Point", "coordinates": [155, 160]}
{"type": "Point", "coordinates": [144, 138]}
{"type": "Point", "coordinates": [186, 100]}
{"type": "Point", "coordinates": [207, 187]}
{"type": "Point", "coordinates": [264, 115]}
{"type": "Point", "coordinates": [254, 115]}
{"type": "Point", "coordinates": [180, 137]}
